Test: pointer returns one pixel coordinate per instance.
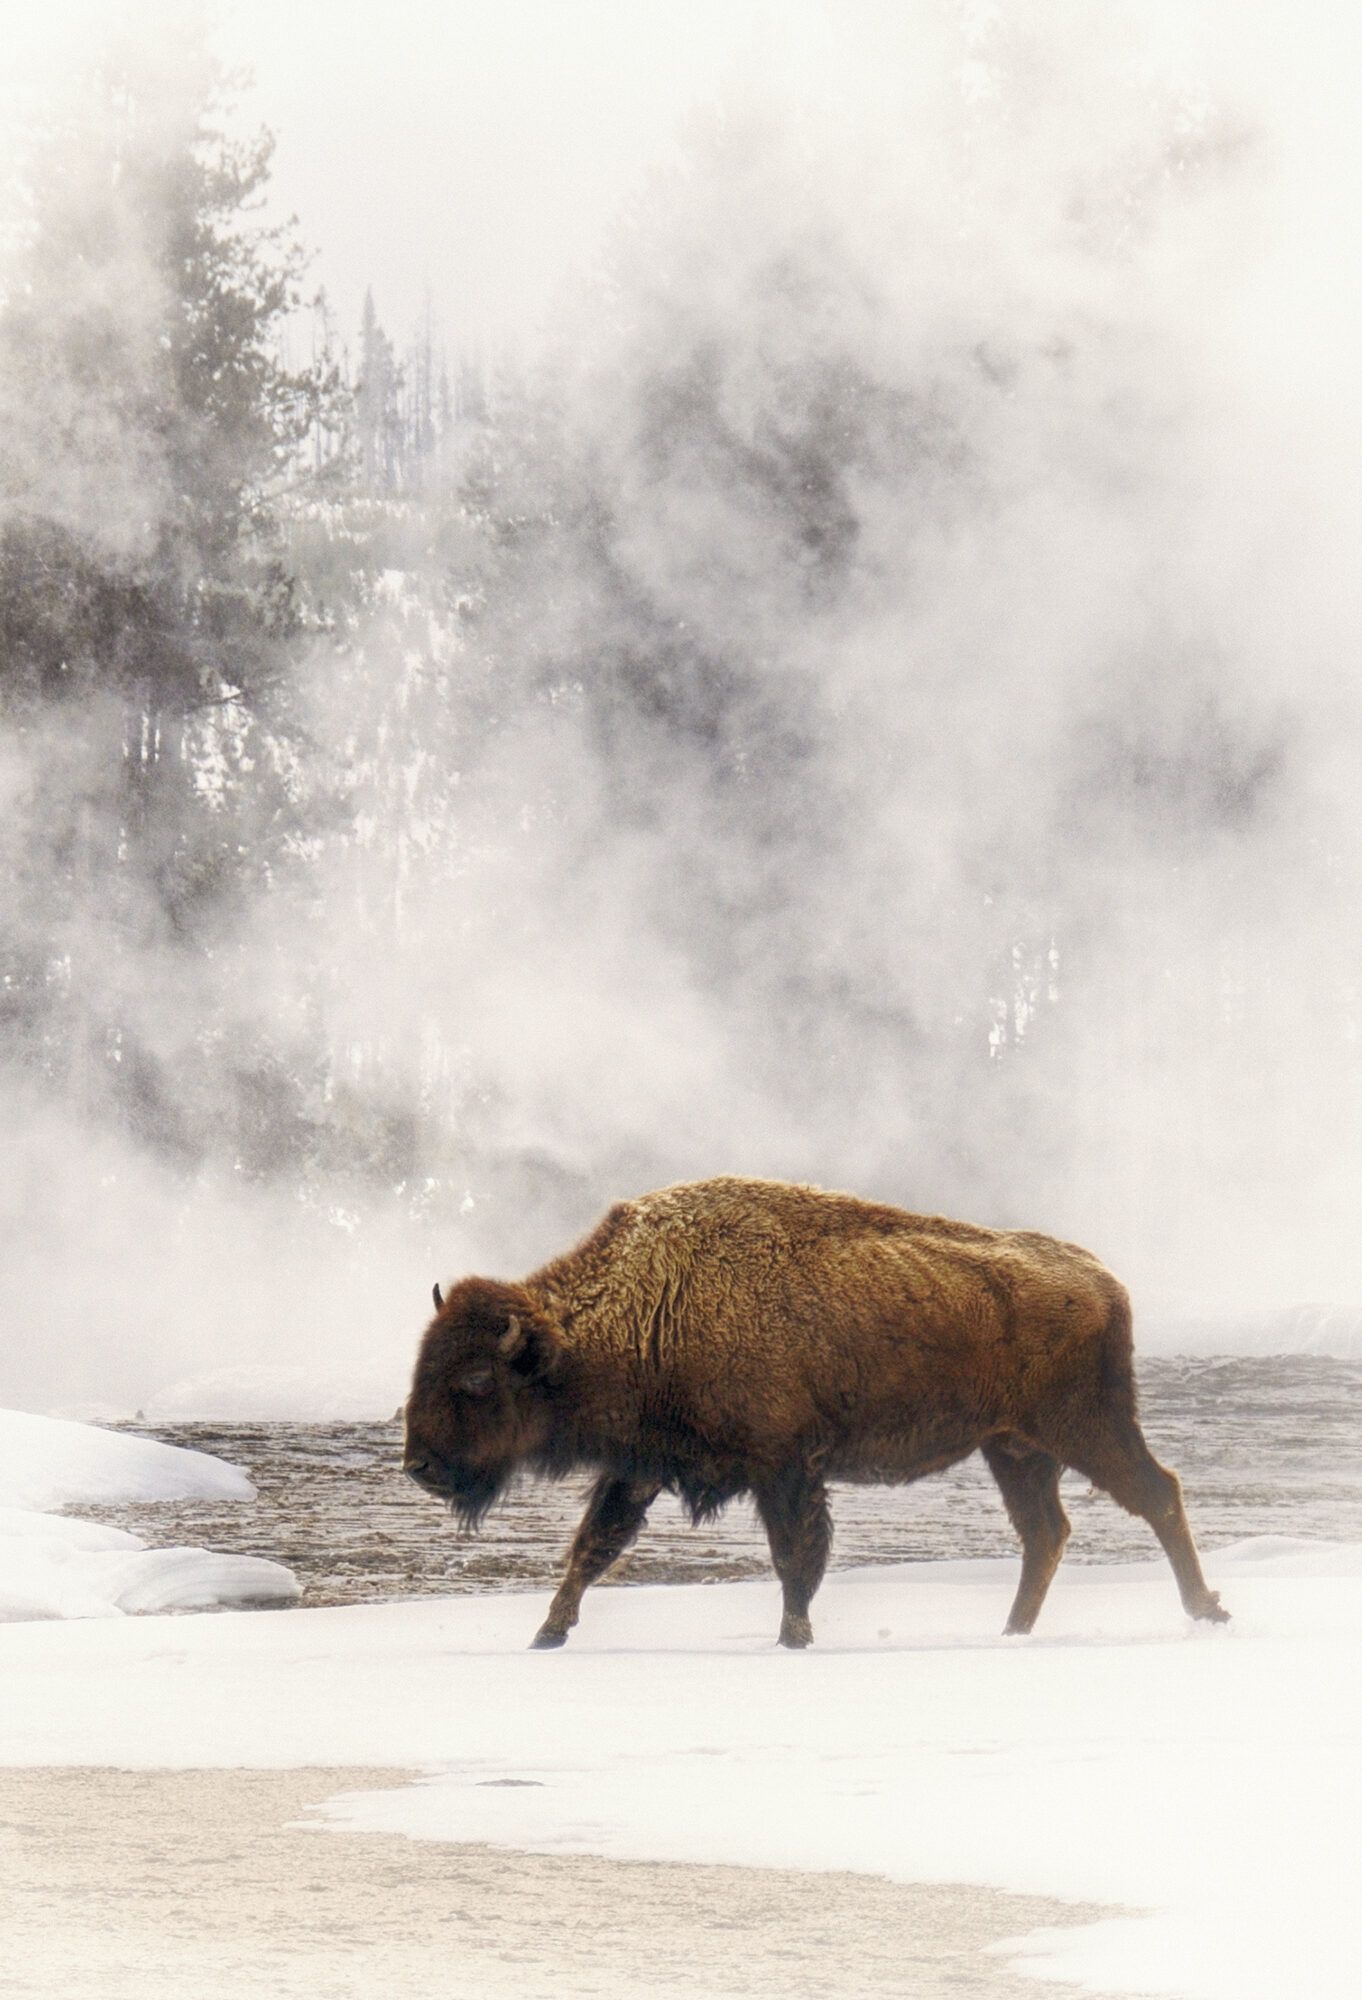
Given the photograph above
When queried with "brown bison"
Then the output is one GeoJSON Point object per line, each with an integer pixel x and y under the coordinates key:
{"type": "Point", "coordinates": [739, 1336]}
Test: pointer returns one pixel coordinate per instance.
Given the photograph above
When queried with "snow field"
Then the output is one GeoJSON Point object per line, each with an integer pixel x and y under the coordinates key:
{"type": "Point", "coordinates": [52, 1566]}
{"type": "Point", "coordinates": [1204, 1778]}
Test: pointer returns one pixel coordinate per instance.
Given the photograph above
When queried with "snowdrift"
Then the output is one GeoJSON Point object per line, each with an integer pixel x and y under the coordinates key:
{"type": "Point", "coordinates": [52, 1566]}
{"type": "Point", "coordinates": [50, 1462]}
{"type": "Point", "coordinates": [263, 1395]}
{"type": "Point", "coordinates": [294, 1394]}
{"type": "Point", "coordinates": [1331, 1331]}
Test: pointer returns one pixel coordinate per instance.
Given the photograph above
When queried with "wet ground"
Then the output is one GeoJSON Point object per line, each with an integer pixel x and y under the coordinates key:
{"type": "Point", "coordinates": [1264, 1447]}
{"type": "Point", "coordinates": [149, 1885]}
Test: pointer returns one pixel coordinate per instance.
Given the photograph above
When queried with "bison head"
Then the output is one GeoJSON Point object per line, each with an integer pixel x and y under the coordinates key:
{"type": "Point", "coordinates": [477, 1408]}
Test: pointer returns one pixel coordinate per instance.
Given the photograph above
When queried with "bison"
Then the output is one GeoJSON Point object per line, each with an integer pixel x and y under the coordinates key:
{"type": "Point", "coordinates": [742, 1336]}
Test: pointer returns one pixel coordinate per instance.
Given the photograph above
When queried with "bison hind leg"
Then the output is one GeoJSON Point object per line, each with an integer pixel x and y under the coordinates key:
{"type": "Point", "coordinates": [1123, 1465]}
{"type": "Point", "coordinates": [1029, 1482]}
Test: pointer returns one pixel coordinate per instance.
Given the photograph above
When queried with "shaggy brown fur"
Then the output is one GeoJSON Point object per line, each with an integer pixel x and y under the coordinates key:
{"type": "Point", "coordinates": [738, 1336]}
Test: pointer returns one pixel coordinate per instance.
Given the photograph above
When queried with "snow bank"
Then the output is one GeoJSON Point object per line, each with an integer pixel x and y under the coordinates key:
{"type": "Point", "coordinates": [292, 1393]}
{"type": "Point", "coordinates": [285, 1393]}
{"type": "Point", "coordinates": [51, 1567]}
{"type": "Point", "coordinates": [276, 1395]}
{"type": "Point", "coordinates": [1206, 1776]}
{"type": "Point", "coordinates": [54, 1567]}
{"type": "Point", "coordinates": [50, 1462]}
{"type": "Point", "coordinates": [1334, 1331]}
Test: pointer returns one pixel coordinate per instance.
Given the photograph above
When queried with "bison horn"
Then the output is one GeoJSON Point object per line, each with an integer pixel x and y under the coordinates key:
{"type": "Point", "coordinates": [435, 1294]}
{"type": "Point", "coordinates": [511, 1339]}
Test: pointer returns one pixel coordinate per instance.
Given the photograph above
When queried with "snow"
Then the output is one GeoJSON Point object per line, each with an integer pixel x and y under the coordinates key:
{"type": "Point", "coordinates": [318, 1392]}
{"type": "Point", "coordinates": [259, 1394]}
{"type": "Point", "coordinates": [52, 1566]}
{"type": "Point", "coordinates": [1204, 1779]}
{"type": "Point", "coordinates": [1332, 1331]}
{"type": "Point", "coordinates": [51, 1462]}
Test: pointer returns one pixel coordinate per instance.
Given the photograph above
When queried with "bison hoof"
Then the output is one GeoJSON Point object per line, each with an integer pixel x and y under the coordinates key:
{"type": "Point", "coordinates": [1213, 1611]}
{"type": "Point", "coordinates": [795, 1631]}
{"type": "Point", "coordinates": [545, 1639]}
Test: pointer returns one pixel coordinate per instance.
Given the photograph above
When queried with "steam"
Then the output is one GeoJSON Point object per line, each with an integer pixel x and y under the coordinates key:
{"type": "Point", "coordinates": [880, 717]}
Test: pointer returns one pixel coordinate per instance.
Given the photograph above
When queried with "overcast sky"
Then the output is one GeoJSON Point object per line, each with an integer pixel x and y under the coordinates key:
{"type": "Point", "coordinates": [476, 149]}
{"type": "Point", "coordinates": [473, 152]}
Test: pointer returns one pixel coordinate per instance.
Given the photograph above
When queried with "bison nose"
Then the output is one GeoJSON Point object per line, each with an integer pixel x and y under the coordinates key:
{"type": "Point", "coordinates": [419, 1467]}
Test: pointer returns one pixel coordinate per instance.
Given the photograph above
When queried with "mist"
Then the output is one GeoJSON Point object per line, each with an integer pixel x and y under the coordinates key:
{"type": "Point", "coordinates": [871, 704]}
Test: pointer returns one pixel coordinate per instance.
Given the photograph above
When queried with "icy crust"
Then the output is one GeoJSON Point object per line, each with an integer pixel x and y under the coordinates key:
{"type": "Point", "coordinates": [52, 1566]}
{"type": "Point", "coordinates": [50, 1462]}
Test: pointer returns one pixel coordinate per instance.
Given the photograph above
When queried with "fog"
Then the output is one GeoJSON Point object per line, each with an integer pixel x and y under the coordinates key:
{"type": "Point", "coordinates": [876, 706]}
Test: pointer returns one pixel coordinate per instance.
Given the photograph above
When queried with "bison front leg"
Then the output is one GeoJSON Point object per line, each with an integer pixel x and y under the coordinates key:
{"type": "Point", "coordinates": [1029, 1483]}
{"type": "Point", "coordinates": [794, 1512]}
{"type": "Point", "coordinates": [614, 1515]}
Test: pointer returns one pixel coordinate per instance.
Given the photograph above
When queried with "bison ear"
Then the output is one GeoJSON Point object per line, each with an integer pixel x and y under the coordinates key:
{"type": "Point", "coordinates": [531, 1347]}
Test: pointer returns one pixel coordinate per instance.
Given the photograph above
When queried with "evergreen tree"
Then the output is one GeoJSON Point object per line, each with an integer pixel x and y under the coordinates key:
{"type": "Point", "coordinates": [146, 418]}
{"type": "Point", "coordinates": [377, 410]}
{"type": "Point", "coordinates": [145, 409]}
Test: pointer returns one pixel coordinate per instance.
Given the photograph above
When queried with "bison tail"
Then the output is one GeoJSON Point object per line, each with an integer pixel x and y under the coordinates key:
{"type": "Point", "coordinates": [1117, 1363]}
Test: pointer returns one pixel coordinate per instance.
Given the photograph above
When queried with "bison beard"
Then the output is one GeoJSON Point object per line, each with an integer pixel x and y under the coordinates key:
{"type": "Point", "coordinates": [470, 1497]}
{"type": "Point", "coordinates": [736, 1336]}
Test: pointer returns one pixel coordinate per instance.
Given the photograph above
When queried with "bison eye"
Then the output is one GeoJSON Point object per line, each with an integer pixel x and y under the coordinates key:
{"type": "Point", "coordinates": [477, 1380]}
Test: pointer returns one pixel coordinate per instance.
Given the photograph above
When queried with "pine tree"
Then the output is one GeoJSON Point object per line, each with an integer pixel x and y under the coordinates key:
{"type": "Point", "coordinates": [377, 411]}
{"type": "Point", "coordinates": [145, 610]}
{"type": "Point", "coordinates": [144, 410]}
